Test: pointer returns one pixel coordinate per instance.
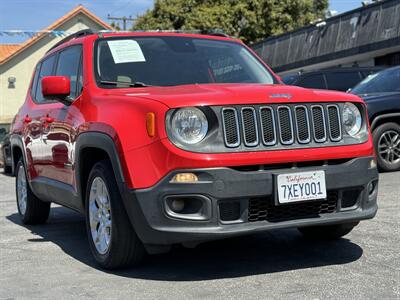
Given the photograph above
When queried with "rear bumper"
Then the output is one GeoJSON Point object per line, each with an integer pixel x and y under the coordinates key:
{"type": "Point", "coordinates": [242, 202]}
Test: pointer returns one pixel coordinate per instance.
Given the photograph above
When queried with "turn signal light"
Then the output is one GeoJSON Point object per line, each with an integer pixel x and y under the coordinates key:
{"type": "Point", "coordinates": [372, 164]}
{"type": "Point", "coordinates": [151, 124]}
{"type": "Point", "coordinates": [184, 178]}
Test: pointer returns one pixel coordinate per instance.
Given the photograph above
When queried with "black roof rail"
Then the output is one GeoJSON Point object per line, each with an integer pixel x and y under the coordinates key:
{"type": "Point", "coordinates": [72, 36]}
{"type": "Point", "coordinates": [215, 32]}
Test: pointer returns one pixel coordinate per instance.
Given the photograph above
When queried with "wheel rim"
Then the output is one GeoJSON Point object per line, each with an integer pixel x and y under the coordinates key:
{"type": "Point", "coordinates": [22, 194]}
{"type": "Point", "coordinates": [389, 147]}
{"type": "Point", "coordinates": [100, 215]}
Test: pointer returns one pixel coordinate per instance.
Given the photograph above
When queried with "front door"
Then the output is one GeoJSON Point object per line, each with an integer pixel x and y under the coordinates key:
{"type": "Point", "coordinates": [61, 135]}
{"type": "Point", "coordinates": [35, 126]}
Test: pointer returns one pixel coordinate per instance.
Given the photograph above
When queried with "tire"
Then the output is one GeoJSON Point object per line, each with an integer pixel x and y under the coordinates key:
{"type": "Point", "coordinates": [7, 170]}
{"type": "Point", "coordinates": [327, 232]}
{"type": "Point", "coordinates": [387, 146]}
{"type": "Point", "coordinates": [117, 245]}
{"type": "Point", "coordinates": [31, 209]}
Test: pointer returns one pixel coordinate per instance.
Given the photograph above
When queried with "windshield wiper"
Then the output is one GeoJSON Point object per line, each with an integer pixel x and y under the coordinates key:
{"type": "Point", "coordinates": [121, 83]}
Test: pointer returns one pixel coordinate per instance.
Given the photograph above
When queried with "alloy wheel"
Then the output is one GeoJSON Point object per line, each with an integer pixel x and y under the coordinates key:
{"type": "Point", "coordinates": [100, 215]}
{"type": "Point", "coordinates": [22, 194]}
{"type": "Point", "coordinates": [389, 147]}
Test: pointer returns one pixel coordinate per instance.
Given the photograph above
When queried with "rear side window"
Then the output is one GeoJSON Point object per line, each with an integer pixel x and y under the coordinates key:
{"type": "Point", "coordinates": [315, 81]}
{"type": "Point", "coordinates": [342, 81]}
{"type": "Point", "coordinates": [46, 69]}
{"type": "Point", "coordinates": [35, 80]}
{"type": "Point", "coordinates": [68, 65]}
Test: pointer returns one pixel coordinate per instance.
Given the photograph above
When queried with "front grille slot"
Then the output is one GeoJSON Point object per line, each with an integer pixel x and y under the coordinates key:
{"type": "Point", "coordinates": [230, 127]}
{"type": "Point", "coordinates": [268, 126]}
{"type": "Point", "coordinates": [335, 132]}
{"type": "Point", "coordinates": [318, 119]}
{"type": "Point", "coordinates": [285, 125]}
{"type": "Point", "coordinates": [250, 130]}
{"type": "Point", "coordinates": [302, 124]}
{"type": "Point", "coordinates": [264, 209]}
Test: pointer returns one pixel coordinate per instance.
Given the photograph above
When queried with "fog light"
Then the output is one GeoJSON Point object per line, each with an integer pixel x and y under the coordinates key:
{"type": "Point", "coordinates": [177, 205]}
{"type": "Point", "coordinates": [372, 164]}
{"type": "Point", "coordinates": [184, 178]}
{"type": "Point", "coordinates": [371, 187]}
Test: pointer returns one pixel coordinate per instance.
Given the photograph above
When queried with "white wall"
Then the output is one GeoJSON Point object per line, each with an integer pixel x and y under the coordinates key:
{"type": "Point", "coordinates": [22, 65]}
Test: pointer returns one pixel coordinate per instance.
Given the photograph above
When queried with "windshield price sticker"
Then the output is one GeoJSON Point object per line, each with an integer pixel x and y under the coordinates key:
{"type": "Point", "coordinates": [302, 186]}
{"type": "Point", "coordinates": [126, 51]}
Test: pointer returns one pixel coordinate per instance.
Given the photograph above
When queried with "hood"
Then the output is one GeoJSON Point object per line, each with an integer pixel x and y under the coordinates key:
{"type": "Point", "coordinates": [227, 94]}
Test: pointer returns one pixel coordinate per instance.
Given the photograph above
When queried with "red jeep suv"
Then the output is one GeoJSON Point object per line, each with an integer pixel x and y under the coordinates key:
{"type": "Point", "coordinates": [173, 138]}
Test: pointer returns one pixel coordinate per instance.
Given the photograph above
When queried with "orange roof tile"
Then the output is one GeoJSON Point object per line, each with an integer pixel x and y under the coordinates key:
{"type": "Point", "coordinates": [21, 47]}
{"type": "Point", "coordinates": [8, 49]}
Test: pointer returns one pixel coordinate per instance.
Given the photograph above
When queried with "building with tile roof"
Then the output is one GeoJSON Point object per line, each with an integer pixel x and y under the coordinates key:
{"type": "Point", "coordinates": [17, 61]}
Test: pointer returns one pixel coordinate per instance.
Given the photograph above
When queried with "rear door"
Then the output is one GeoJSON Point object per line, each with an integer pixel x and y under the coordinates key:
{"type": "Point", "coordinates": [312, 81]}
{"type": "Point", "coordinates": [342, 81]}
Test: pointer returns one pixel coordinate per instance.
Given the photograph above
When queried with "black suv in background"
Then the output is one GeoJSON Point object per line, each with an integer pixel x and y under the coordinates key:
{"type": "Point", "coordinates": [339, 79]}
{"type": "Point", "coordinates": [381, 93]}
{"type": "Point", "coordinates": [5, 154]}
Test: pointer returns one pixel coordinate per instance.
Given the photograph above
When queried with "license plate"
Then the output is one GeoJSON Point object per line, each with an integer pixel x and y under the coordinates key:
{"type": "Point", "coordinates": [302, 186]}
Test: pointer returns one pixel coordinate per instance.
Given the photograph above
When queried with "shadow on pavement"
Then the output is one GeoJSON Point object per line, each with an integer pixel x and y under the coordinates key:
{"type": "Point", "coordinates": [273, 251]}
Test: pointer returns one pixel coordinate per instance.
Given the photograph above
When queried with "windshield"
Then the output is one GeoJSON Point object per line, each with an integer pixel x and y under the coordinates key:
{"type": "Point", "coordinates": [383, 82]}
{"type": "Point", "coordinates": [170, 61]}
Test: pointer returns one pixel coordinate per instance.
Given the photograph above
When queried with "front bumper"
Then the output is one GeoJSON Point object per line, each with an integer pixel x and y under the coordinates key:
{"type": "Point", "coordinates": [238, 202]}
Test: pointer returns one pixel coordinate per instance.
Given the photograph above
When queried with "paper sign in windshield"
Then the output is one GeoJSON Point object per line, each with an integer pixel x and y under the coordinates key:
{"type": "Point", "coordinates": [126, 51]}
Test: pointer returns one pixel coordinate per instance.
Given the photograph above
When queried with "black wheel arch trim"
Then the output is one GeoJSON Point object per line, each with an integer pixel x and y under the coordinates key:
{"type": "Point", "coordinates": [104, 142]}
{"type": "Point", "coordinates": [17, 142]}
{"type": "Point", "coordinates": [381, 117]}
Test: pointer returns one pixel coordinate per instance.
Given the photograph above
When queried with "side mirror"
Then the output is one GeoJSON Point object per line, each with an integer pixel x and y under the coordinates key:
{"type": "Point", "coordinates": [57, 88]}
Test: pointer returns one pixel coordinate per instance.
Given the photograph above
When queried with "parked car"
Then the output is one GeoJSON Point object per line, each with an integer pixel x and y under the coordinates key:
{"type": "Point", "coordinates": [172, 138]}
{"type": "Point", "coordinates": [340, 79]}
{"type": "Point", "coordinates": [5, 149]}
{"type": "Point", "coordinates": [381, 93]}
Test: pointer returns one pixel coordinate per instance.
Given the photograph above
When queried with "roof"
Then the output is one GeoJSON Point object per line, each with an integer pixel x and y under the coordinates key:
{"type": "Point", "coordinates": [14, 50]}
{"type": "Point", "coordinates": [8, 49]}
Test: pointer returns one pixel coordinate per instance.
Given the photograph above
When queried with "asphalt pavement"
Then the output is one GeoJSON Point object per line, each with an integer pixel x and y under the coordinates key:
{"type": "Point", "coordinates": [53, 261]}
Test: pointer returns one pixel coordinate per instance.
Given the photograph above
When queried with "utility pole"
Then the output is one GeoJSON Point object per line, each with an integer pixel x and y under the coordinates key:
{"type": "Point", "coordinates": [123, 19]}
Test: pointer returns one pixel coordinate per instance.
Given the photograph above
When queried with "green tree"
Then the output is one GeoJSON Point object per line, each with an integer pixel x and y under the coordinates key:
{"type": "Point", "coordinates": [115, 26]}
{"type": "Point", "coordinates": [251, 20]}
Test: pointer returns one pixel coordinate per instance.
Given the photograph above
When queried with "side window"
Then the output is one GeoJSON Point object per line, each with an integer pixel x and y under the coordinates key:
{"type": "Point", "coordinates": [35, 80]}
{"type": "Point", "coordinates": [68, 65]}
{"type": "Point", "coordinates": [315, 81]}
{"type": "Point", "coordinates": [46, 69]}
{"type": "Point", "coordinates": [342, 81]}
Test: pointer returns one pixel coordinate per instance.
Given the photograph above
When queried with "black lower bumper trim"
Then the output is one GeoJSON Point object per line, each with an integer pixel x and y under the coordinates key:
{"type": "Point", "coordinates": [242, 202]}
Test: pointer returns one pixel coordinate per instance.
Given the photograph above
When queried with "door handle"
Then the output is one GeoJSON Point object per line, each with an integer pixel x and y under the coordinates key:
{"type": "Point", "coordinates": [48, 119]}
{"type": "Point", "coordinates": [27, 119]}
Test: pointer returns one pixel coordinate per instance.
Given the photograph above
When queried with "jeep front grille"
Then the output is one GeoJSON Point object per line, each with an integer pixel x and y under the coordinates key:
{"type": "Point", "coordinates": [274, 125]}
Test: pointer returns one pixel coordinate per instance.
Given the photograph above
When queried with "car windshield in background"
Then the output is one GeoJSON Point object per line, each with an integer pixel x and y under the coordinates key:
{"type": "Point", "coordinates": [289, 79]}
{"type": "Point", "coordinates": [387, 81]}
{"type": "Point", "coordinates": [171, 61]}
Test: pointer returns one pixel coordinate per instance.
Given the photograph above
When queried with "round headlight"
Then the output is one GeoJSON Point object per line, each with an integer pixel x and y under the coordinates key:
{"type": "Point", "coordinates": [351, 118]}
{"type": "Point", "coordinates": [189, 125]}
